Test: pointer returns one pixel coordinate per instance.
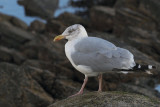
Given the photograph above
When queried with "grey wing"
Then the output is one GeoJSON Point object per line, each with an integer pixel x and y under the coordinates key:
{"type": "Point", "coordinates": [104, 60]}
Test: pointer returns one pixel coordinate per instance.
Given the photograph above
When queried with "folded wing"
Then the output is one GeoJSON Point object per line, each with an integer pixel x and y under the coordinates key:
{"type": "Point", "coordinates": [101, 55]}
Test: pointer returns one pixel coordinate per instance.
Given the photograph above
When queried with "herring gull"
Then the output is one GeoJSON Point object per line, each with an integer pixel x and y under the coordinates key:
{"type": "Point", "coordinates": [94, 56]}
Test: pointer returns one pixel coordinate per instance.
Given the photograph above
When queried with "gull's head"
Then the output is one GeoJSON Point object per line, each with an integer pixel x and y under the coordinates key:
{"type": "Point", "coordinates": [72, 32]}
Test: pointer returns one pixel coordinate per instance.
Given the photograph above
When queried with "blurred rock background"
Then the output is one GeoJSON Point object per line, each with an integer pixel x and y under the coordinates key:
{"type": "Point", "coordinates": [34, 71]}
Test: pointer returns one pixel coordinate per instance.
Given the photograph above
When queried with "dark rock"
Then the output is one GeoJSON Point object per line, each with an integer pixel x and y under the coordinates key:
{"type": "Point", "coordinates": [37, 26]}
{"type": "Point", "coordinates": [10, 55]}
{"type": "Point", "coordinates": [138, 30]}
{"type": "Point", "coordinates": [131, 4]}
{"type": "Point", "coordinates": [152, 9]}
{"type": "Point", "coordinates": [4, 17]}
{"type": "Point", "coordinates": [18, 23]}
{"type": "Point", "coordinates": [19, 89]}
{"type": "Point", "coordinates": [58, 85]}
{"type": "Point", "coordinates": [126, 17]}
{"type": "Point", "coordinates": [137, 89]}
{"type": "Point", "coordinates": [109, 99]}
{"type": "Point", "coordinates": [13, 20]}
{"type": "Point", "coordinates": [70, 19]}
{"type": "Point", "coordinates": [64, 88]}
{"type": "Point", "coordinates": [89, 4]}
{"type": "Point", "coordinates": [102, 18]}
{"type": "Point", "coordinates": [38, 50]}
{"type": "Point", "coordinates": [61, 71]}
{"type": "Point", "coordinates": [55, 26]}
{"type": "Point", "coordinates": [12, 36]}
{"type": "Point", "coordinates": [41, 8]}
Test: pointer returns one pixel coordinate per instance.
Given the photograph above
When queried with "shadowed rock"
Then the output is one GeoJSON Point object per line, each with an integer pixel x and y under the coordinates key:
{"type": "Point", "coordinates": [41, 8]}
{"type": "Point", "coordinates": [19, 88]}
{"type": "Point", "coordinates": [37, 26]}
{"type": "Point", "coordinates": [12, 36]}
{"type": "Point", "coordinates": [13, 20]}
{"type": "Point", "coordinates": [11, 55]}
{"type": "Point", "coordinates": [102, 18]}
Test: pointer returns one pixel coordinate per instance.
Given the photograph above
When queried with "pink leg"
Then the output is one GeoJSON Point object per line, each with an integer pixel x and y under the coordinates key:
{"type": "Point", "coordinates": [81, 90]}
{"type": "Point", "coordinates": [100, 83]}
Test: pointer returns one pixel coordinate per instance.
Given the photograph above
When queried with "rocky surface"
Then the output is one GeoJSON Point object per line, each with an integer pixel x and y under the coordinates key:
{"type": "Point", "coordinates": [108, 99]}
{"type": "Point", "coordinates": [13, 20]}
{"type": "Point", "coordinates": [41, 8]}
{"type": "Point", "coordinates": [138, 24]}
{"type": "Point", "coordinates": [34, 71]}
{"type": "Point", "coordinates": [37, 26]}
{"type": "Point", "coordinates": [104, 16]}
{"type": "Point", "coordinates": [19, 88]}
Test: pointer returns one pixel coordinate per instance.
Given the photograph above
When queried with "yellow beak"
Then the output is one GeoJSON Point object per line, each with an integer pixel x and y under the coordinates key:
{"type": "Point", "coordinates": [59, 37]}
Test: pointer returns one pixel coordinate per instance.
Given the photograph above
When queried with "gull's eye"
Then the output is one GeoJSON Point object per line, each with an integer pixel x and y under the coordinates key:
{"type": "Point", "coordinates": [71, 30]}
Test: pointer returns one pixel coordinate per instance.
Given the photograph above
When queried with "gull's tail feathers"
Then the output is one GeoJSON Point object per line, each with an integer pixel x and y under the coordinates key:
{"type": "Point", "coordinates": [143, 67]}
{"type": "Point", "coordinates": [138, 67]}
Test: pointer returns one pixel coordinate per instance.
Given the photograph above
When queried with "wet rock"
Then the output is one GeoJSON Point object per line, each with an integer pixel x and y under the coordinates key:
{"type": "Point", "coordinates": [109, 99]}
{"type": "Point", "coordinates": [10, 55]}
{"type": "Point", "coordinates": [37, 26]}
{"type": "Point", "coordinates": [41, 8]}
{"type": "Point", "coordinates": [102, 18]}
{"type": "Point", "coordinates": [18, 88]}
{"type": "Point", "coordinates": [13, 37]}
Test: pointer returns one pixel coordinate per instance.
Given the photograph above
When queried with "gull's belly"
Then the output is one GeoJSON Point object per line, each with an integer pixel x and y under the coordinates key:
{"type": "Point", "coordinates": [86, 70]}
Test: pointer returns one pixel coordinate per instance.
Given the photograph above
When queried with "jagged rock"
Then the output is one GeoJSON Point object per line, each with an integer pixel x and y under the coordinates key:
{"type": "Point", "coordinates": [41, 8]}
{"type": "Point", "coordinates": [10, 55]}
{"type": "Point", "coordinates": [36, 49]}
{"type": "Point", "coordinates": [18, 23]}
{"type": "Point", "coordinates": [4, 17]}
{"type": "Point", "coordinates": [70, 19]}
{"type": "Point", "coordinates": [102, 18]}
{"type": "Point", "coordinates": [37, 26]}
{"type": "Point", "coordinates": [131, 4]}
{"type": "Point", "coordinates": [55, 26]}
{"type": "Point", "coordinates": [18, 88]}
{"type": "Point", "coordinates": [126, 17]}
{"type": "Point", "coordinates": [60, 84]}
{"type": "Point", "coordinates": [64, 88]}
{"type": "Point", "coordinates": [109, 99]}
{"type": "Point", "coordinates": [152, 9]}
{"type": "Point", "coordinates": [12, 36]}
{"type": "Point", "coordinates": [138, 30]}
{"type": "Point", "coordinates": [13, 20]}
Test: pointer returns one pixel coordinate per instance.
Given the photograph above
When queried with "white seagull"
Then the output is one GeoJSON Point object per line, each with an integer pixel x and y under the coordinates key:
{"type": "Point", "coordinates": [94, 56]}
